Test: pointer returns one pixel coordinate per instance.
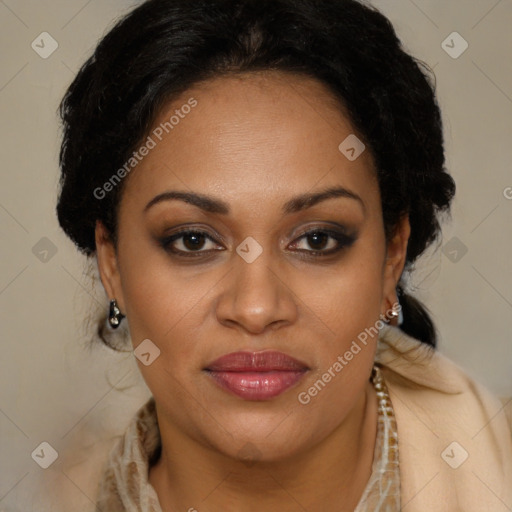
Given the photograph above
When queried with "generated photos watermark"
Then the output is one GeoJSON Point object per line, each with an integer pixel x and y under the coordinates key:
{"type": "Point", "coordinates": [304, 397]}
{"type": "Point", "coordinates": [151, 142]}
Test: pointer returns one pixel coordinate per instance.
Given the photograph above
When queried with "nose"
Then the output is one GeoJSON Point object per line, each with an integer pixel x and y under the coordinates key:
{"type": "Point", "coordinates": [257, 296]}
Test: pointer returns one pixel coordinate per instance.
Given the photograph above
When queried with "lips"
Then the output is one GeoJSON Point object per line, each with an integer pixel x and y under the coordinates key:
{"type": "Point", "coordinates": [256, 375]}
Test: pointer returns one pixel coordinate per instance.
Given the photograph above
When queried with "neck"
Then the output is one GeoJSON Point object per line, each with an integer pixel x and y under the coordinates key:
{"type": "Point", "coordinates": [331, 476]}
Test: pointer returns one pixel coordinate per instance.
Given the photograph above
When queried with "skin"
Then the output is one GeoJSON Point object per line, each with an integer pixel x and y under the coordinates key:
{"type": "Point", "coordinates": [255, 141]}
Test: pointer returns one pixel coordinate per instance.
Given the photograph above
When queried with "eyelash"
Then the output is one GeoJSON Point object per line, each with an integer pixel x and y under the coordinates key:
{"type": "Point", "coordinates": [343, 240]}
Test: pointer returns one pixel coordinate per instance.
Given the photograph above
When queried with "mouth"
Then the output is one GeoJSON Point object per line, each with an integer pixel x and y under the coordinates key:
{"type": "Point", "coordinates": [256, 375]}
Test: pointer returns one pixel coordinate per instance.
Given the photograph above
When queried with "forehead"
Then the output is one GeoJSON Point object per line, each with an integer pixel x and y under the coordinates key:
{"type": "Point", "coordinates": [268, 135]}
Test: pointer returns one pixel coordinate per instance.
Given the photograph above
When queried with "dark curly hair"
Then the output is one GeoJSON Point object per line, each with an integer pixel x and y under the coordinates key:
{"type": "Point", "coordinates": [163, 47]}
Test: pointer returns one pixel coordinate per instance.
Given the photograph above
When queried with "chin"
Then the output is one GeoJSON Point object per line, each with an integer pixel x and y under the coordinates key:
{"type": "Point", "coordinates": [254, 440]}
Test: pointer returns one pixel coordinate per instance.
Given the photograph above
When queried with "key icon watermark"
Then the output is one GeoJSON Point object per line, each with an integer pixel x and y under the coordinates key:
{"type": "Point", "coordinates": [352, 148]}
{"type": "Point", "coordinates": [249, 249]}
{"type": "Point", "coordinates": [45, 455]}
{"type": "Point", "coordinates": [454, 45]}
{"type": "Point", "coordinates": [44, 45]}
{"type": "Point", "coordinates": [454, 250]}
{"type": "Point", "coordinates": [146, 352]}
{"type": "Point", "coordinates": [44, 250]}
{"type": "Point", "coordinates": [454, 455]}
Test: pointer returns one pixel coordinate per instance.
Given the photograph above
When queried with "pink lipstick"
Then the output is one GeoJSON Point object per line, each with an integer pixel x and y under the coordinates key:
{"type": "Point", "coordinates": [256, 375]}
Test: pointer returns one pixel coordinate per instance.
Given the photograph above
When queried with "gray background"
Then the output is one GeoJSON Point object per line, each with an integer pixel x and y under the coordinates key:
{"type": "Point", "coordinates": [54, 389]}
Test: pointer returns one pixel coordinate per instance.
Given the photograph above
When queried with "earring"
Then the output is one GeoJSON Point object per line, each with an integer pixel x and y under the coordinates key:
{"type": "Point", "coordinates": [114, 316]}
{"type": "Point", "coordinates": [393, 313]}
{"type": "Point", "coordinates": [396, 312]}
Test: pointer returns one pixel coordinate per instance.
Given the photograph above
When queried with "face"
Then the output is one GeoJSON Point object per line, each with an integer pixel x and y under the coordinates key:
{"type": "Point", "coordinates": [257, 257]}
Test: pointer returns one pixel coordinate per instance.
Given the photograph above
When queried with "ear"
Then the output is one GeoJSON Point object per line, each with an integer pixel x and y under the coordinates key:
{"type": "Point", "coordinates": [108, 265]}
{"type": "Point", "coordinates": [395, 262]}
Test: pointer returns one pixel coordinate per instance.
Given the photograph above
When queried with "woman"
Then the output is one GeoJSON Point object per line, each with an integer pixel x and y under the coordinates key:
{"type": "Point", "coordinates": [255, 178]}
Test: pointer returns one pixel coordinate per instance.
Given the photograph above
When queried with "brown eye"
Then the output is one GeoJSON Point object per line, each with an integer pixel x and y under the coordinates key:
{"type": "Point", "coordinates": [193, 241]}
{"type": "Point", "coordinates": [323, 242]}
{"type": "Point", "coordinates": [189, 242]}
{"type": "Point", "coordinates": [317, 240]}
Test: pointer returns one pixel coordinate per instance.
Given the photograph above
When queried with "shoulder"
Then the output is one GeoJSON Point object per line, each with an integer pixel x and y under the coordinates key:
{"type": "Point", "coordinates": [455, 442]}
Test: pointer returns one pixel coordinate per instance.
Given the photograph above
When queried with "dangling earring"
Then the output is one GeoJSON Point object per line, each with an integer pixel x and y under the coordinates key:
{"type": "Point", "coordinates": [396, 310]}
{"type": "Point", "coordinates": [114, 316]}
{"type": "Point", "coordinates": [393, 313]}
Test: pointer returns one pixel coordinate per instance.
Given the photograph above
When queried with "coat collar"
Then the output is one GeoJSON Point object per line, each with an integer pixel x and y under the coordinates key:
{"type": "Point", "coordinates": [418, 362]}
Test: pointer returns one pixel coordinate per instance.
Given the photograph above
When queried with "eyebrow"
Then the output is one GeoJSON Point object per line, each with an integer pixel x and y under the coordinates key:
{"type": "Point", "coordinates": [212, 205]}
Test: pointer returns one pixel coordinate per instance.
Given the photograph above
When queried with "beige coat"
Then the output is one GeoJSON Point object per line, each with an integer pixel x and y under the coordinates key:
{"type": "Point", "coordinates": [455, 444]}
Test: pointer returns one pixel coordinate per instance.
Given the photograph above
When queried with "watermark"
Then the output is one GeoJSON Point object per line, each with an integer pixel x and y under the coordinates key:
{"type": "Point", "coordinates": [44, 250]}
{"type": "Point", "coordinates": [249, 454]}
{"type": "Point", "coordinates": [146, 352]}
{"type": "Point", "coordinates": [454, 45]}
{"type": "Point", "coordinates": [45, 455]}
{"type": "Point", "coordinates": [352, 147]}
{"type": "Point", "coordinates": [304, 397]}
{"type": "Point", "coordinates": [454, 249]}
{"type": "Point", "coordinates": [44, 45]}
{"type": "Point", "coordinates": [249, 249]}
{"type": "Point", "coordinates": [151, 142]}
{"type": "Point", "coordinates": [454, 455]}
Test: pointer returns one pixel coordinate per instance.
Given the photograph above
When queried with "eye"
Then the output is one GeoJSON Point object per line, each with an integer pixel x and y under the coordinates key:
{"type": "Point", "coordinates": [196, 243]}
{"type": "Point", "coordinates": [324, 242]}
{"type": "Point", "coordinates": [189, 243]}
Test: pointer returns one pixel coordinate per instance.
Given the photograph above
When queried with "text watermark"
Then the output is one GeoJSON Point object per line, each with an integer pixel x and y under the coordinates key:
{"type": "Point", "coordinates": [151, 142]}
{"type": "Point", "coordinates": [304, 397]}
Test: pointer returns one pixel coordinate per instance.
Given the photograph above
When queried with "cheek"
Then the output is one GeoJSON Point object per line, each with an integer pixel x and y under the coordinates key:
{"type": "Point", "coordinates": [164, 307]}
{"type": "Point", "coordinates": [162, 302]}
{"type": "Point", "coordinates": [345, 356]}
{"type": "Point", "coordinates": [347, 307]}
{"type": "Point", "coordinates": [347, 297]}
